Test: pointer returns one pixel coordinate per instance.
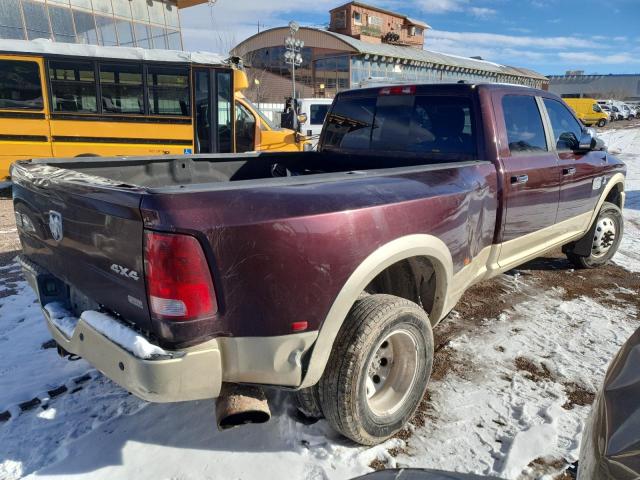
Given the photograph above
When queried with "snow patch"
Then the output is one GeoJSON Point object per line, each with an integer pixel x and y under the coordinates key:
{"type": "Point", "coordinates": [122, 335]}
{"type": "Point", "coordinates": [62, 318]}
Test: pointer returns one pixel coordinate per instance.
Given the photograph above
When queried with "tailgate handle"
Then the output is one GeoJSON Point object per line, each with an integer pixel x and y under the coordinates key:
{"type": "Point", "coordinates": [519, 179]}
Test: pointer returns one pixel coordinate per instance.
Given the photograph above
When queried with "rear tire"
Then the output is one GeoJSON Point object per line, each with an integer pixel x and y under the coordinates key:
{"type": "Point", "coordinates": [606, 240]}
{"type": "Point", "coordinates": [308, 402]}
{"type": "Point", "coordinates": [378, 370]}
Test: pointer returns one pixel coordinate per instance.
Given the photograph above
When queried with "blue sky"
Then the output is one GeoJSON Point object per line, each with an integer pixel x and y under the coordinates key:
{"type": "Point", "coordinates": [549, 36]}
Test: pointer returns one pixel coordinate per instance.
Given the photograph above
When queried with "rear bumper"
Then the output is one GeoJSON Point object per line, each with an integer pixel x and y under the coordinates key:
{"type": "Point", "coordinates": [193, 373]}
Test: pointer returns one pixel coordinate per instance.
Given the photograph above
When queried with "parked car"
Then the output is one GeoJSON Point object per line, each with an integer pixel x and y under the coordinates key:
{"type": "Point", "coordinates": [617, 113]}
{"type": "Point", "coordinates": [190, 277]}
{"type": "Point", "coordinates": [588, 111]}
{"type": "Point", "coordinates": [610, 115]}
{"type": "Point", "coordinates": [610, 446]}
{"type": "Point", "coordinates": [623, 109]}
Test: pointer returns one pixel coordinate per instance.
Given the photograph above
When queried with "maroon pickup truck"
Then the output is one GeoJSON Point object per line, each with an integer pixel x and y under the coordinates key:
{"type": "Point", "coordinates": [322, 272]}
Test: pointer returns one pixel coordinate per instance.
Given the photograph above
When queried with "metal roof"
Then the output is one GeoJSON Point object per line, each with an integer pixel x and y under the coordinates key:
{"type": "Point", "coordinates": [47, 47]}
{"type": "Point", "coordinates": [428, 56]}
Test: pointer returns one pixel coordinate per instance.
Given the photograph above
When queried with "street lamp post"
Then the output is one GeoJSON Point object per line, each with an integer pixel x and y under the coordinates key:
{"type": "Point", "coordinates": [293, 55]}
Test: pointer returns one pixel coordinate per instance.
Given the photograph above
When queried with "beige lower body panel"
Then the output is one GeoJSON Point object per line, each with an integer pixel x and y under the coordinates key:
{"type": "Point", "coordinates": [191, 375]}
{"type": "Point", "coordinates": [194, 373]}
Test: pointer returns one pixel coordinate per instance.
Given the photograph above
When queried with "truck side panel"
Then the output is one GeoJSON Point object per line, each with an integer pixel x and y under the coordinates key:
{"type": "Point", "coordinates": [282, 254]}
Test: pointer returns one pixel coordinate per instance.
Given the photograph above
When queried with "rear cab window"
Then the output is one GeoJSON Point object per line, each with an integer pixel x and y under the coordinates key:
{"type": "Point", "coordinates": [437, 126]}
{"type": "Point", "coordinates": [20, 85]}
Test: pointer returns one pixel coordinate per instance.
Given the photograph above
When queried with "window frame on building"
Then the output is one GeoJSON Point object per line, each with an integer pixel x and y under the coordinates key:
{"type": "Point", "coordinates": [82, 22]}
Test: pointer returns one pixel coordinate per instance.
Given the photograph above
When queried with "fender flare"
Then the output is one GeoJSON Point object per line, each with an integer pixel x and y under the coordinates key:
{"type": "Point", "coordinates": [583, 245]}
{"type": "Point", "coordinates": [418, 245]}
{"type": "Point", "coordinates": [615, 180]}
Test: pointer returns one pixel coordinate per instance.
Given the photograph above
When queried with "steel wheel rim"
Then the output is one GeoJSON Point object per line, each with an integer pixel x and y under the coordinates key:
{"type": "Point", "coordinates": [604, 237]}
{"type": "Point", "coordinates": [391, 372]}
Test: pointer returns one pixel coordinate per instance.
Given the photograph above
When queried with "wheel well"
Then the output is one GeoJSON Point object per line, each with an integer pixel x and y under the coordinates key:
{"type": "Point", "coordinates": [412, 278]}
{"type": "Point", "coordinates": [614, 195]}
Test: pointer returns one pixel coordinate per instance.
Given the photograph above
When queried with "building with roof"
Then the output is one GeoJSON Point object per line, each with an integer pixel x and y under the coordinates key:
{"type": "Point", "coordinates": [133, 23]}
{"type": "Point", "coordinates": [347, 56]}
{"type": "Point", "coordinates": [575, 84]}
{"type": "Point", "coordinates": [373, 24]}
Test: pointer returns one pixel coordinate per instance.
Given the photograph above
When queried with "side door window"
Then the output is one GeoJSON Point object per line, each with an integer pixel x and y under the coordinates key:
{"type": "Point", "coordinates": [245, 129]}
{"type": "Point", "coordinates": [20, 87]}
{"type": "Point", "coordinates": [566, 129]}
{"type": "Point", "coordinates": [525, 130]}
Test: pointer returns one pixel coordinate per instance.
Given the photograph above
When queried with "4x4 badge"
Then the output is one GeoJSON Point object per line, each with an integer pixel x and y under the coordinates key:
{"type": "Point", "coordinates": [55, 225]}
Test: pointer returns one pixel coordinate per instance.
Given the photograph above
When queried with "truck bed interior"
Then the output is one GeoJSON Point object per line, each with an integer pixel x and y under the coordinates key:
{"type": "Point", "coordinates": [159, 172]}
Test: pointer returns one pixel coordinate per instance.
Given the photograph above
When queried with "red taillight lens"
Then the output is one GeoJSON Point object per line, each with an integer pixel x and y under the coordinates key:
{"type": "Point", "coordinates": [178, 278]}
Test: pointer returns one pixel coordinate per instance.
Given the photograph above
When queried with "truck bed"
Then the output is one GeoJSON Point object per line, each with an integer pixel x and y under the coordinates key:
{"type": "Point", "coordinates": [218, 170]}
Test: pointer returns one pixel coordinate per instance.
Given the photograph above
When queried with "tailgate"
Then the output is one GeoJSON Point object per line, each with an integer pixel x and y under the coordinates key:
{"type": "Point", "coordinates": [87, 232]}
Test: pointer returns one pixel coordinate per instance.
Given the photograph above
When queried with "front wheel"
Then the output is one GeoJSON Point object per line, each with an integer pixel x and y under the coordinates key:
{"type": "Point", "coordinates": [602, 122]}
{"type": "Point", "coordinates": [606, 238]}
{"type": "Point", "coordinates": [378, 370]}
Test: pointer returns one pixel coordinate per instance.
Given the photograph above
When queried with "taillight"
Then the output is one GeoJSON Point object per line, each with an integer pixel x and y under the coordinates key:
{"type": "Point", "coordinates": [178, 278]}
{"type": "Point", "coordinates": [398, 90]}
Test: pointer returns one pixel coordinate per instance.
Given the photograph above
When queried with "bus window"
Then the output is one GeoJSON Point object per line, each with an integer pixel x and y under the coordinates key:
{"type": "Point", "coordinates": [223, 80]}
{"type": "Point", "coordinates": [73, 87]}
{"type": "Point", "coordinates": [168, 90]}
{"type": "Point", "coordinates": [245, 129]}
{"type": "Point", "coordinates": [20, 86]}
{"type": "Point", "coordinates": [121, 87]}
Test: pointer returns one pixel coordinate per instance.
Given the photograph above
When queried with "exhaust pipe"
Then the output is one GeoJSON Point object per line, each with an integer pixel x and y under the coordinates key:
{"type": "Point", "coordinates": [241, 404]}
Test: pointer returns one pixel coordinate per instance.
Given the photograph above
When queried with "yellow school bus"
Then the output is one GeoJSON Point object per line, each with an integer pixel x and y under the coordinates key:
{"type": "Point", "coordinates": [68, 100]}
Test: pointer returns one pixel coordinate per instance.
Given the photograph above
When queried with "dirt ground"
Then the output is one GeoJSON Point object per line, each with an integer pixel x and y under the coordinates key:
{"type": "Point", "coordinates": [621, 124]}
{"type": "Point", "coordinates": [9, 243]}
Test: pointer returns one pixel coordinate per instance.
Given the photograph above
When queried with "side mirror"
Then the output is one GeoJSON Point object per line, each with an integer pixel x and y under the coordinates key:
{"type": "Point", "coordinates": [598, 144]}
{"type": "Point", "coordinates": [302, 118]}
{"type": "Point", "coordinates": [569, 141]}
{"type": "Point", "coordinates": [586, 141]}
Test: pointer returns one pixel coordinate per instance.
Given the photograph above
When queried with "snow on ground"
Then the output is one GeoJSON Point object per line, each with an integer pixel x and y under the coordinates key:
{"type": "Point", "coordinates": [511, 388]}
{"type": "Point", "coordinates": [626, 144]}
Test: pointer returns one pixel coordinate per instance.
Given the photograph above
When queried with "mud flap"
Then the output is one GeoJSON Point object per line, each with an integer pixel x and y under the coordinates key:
{"type": "Point", "coordinates": [583, 246]}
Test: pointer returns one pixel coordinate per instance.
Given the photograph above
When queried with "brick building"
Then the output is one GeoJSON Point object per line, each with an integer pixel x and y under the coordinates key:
{"type": "Point", "coordinates": [376, 25]}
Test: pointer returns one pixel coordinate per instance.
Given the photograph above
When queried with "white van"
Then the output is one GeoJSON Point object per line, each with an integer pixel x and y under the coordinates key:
{"type": "Point", "coordinates": [316, 110]}
{"type": "Point", "coordinates": [623, 108]}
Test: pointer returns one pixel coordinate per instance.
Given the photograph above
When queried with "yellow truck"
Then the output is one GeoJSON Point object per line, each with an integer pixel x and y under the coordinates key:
{"type": "Point", "coordinates": [588, 111]}
{"type": "Point", "coordinates": [67, 100]}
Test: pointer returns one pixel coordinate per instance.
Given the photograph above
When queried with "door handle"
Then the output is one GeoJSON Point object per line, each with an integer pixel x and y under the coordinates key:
{"type": "Point", "coordinates": [519, 179]}
{"type": "Point", "coordinates": [568, 171]}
